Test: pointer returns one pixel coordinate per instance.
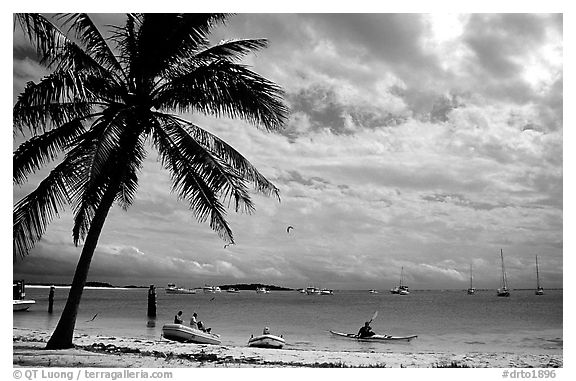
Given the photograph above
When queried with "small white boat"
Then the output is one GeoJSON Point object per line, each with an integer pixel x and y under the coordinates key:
{"type": "Point", "coordinates": [172, 289]}
{"type": "Point", "coordinates": [262, 290]}
{"type": "Point", "coordinates": [471, 290]}
{"type": "Point", "coordinates": [22, 305]}
{"type": "Point", "coordinates": [503, 291]}
{"type": "Point", "coordinates": [401, 289]}
{"type": "Point", "coordinates": [266, 341]}
{"type": "Point", "coordinates": [312, 291]}
{"type": "Point", "coordinates": [211, 289]}
{"type": "Point", "coordinates": [326, 291]}
{"type": "Point", "coordinates": [185, 334]}
{"type": "Point", "coordinates": [373, 291]}
{"type": "Point", "coordinates": [233, 290]}
{"type": "Point", "coordinates": [19, 293]}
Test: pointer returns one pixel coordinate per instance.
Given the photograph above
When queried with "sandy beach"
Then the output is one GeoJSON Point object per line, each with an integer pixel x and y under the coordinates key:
{"type": "Point", "coordinates": [111, 352]}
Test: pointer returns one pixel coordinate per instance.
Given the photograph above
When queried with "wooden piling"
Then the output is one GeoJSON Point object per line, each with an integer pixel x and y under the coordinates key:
{"type": "Point", "coordinates": [152, 302]}
{"type": "Point", "coordinates": [51, 299]}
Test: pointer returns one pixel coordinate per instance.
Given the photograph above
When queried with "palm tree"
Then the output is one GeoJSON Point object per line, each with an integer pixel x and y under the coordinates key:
{"type": "Point", "coordinates": [106, 99]}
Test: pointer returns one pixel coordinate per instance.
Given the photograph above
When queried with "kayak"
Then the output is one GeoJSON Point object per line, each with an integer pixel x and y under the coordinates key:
{"type": "Point", "coordinates": [375, 338]}
{"type": "Point", "coordinates": [182, 333]}
{"type": "Point", "coordinates": [266, 341]}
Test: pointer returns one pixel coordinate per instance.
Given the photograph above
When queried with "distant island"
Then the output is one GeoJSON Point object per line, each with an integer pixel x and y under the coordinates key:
{"type": "Point", "coordinates": [254, 286]}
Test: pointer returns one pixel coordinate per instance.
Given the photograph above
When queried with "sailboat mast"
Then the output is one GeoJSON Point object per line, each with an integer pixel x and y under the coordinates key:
{"type": "Point", "coordinates": [471, 276]}
{"type": "Point", "coordinates": [401, 275]}
{"type": "Point", "coordinates": [504, 282]}
{"type": "Point", "coordinates": [537, 275]}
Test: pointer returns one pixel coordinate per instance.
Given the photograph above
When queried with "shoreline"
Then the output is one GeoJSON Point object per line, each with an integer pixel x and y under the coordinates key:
{"type": "Point", "coordinates": [121, 352]}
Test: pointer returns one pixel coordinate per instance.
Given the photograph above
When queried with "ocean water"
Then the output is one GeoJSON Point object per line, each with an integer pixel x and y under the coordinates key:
{"type": "Point", "coordinates": [445, 321]}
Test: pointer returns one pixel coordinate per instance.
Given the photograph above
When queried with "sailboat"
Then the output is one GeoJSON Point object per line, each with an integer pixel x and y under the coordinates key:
{"type": "Point", "coordinates": [401, 289]}
{"type": "Point", "coordinates": [471, 290]}
{"type": "Point", "coordinates": [503, 291]}
{"type": "Point", "coordinates": [539, 289]}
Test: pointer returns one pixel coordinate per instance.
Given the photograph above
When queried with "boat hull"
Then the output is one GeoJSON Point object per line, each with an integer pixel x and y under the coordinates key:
{"type": "Point", "coordinates": [180, 291]}
{"type": "Point", "coordinates": [184, 334]}
{"type": "Point", "coordinates": [375, 338]}
{"type": "Point", "coordinates": [22, 305]}
{"type": "Point", "coordinates": [266, 341]}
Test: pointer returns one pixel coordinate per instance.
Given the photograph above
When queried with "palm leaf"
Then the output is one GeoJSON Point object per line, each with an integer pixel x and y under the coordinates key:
{"type": "Point", "coordinates": [224, 88]}
{"type": "Point", "coordinates": [34, 153]}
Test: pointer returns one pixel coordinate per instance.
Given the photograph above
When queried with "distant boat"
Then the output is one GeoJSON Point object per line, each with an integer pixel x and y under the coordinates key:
{"type": "Point", "coordinates": [503, 291]}
{"type": "Point", "coordinates": [310, 290]}
{"type": "Point", "coordinates": [18, 302]}
{"type": "Point", "coordinates": [326, 291]}
{"type": "Point", "coordinates": [211, 289]}
{"type": "Point", "coordinates": [471, 289]}
{"type": "Point", "coordinates": [233, 290]}
{"type": "Point", "coordinates": [262, 290]}
{"type": "Point", "coordinates": [373, 291]}
{"type": "Point", "coordinates": [172, 289]}
{"type": "Point", "coordinates": [539, 289]}
{"type": "Point", "coordinates": [401, 289]}
{"type": "Point", "coordinates": [301, 290]}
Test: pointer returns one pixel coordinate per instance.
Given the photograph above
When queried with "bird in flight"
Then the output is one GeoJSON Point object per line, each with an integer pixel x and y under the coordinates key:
{"type": "Point", "coordinates": [288, 228]}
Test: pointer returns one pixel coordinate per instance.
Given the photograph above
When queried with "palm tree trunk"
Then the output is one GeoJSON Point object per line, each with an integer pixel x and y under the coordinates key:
{"type": "Point", "coordinates": [63, 334]}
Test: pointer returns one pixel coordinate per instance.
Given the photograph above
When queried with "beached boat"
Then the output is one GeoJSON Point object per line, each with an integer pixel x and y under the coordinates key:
{"type": "Point", "coordinates": [401, 289]}
{"type": "Point", "coordinates": [262, 290]}
{"type": "Point", "coordinates": [375, 338]}
{"type": "Point", "coordinates": [503, 291]}
{"type": "Point", "coordinates": [539, 289]}
{"type": "Point", "coordinates": [471, 289]}
{"type": "Point", "coordinates": [326, 291]}
{"type": "Point", "coordinates": [18, 295]}
{"type": "Point", "coordinates": [266, 341]}
{"type": "Point", "coordinates": [185, 334]}
{"type": "Point", "coordinates": [172, 289]}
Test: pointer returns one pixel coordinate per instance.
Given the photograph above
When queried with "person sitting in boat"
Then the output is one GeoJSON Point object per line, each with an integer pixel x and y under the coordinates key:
{"type": "Point", "coordinates": [366, 331]}
{"type": "Point", "coordinates": [194, 321]}
{"type": "Point", "coordinates": [178, 318]}
{"type": "Point", "coordinates": [266, 331]}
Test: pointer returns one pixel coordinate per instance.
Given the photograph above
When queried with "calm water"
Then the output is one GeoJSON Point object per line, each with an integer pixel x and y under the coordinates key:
{"type": "Point", "coordinates": [443, 320]}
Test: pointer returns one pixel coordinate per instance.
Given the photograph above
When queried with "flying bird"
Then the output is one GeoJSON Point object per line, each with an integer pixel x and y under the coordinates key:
{"type": "Point", "coordinates": [94, 317]}
{"type": "Point", "coordinates": [288, 228]}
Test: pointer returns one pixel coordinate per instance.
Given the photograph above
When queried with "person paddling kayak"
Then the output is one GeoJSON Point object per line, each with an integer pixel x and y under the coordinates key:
{"type": "Point", "coordinates": [366, 331]}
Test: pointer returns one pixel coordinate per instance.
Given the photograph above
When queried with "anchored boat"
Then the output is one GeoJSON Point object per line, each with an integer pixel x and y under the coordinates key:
{"type": "Point", "coordinates": [18, 291]}
{"type": "Point", "coordinates": [503, 291]}
{"type": "Point", "coordinates": [539, 289]}
{"type": "Point", "coordinates": [172, 289]}
{"type": "Point", "coordinates": [471, 289]}
{"type": "Point", "coordinates": [185, 334]}
{"type": "Point", "coordinates": [401, 289]}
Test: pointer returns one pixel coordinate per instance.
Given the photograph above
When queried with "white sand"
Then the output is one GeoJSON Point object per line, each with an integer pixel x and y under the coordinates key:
{"type": "Point", "coordinates": [106, 351]}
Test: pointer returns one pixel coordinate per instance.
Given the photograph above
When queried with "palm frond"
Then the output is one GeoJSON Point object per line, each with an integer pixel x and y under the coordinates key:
{"type": "Point", "coordinates": [33, 213]}
{"type": "Point", "coordinates": [190, 186]}
{"type": "Point", "coordinates": [230, 49]}
{"type": "Point", "coordinates": [58, 98]}
{"type": "Point", "coordinates": [96, 46]}
{"type": "Point", "coordinates": [42, 34]}
{"type": "Point", "coordinates": [40, 150]}
{"type": "Point", "coordinates": [223, 88]}
{"type": "Point", "coordinates": [218, 174]}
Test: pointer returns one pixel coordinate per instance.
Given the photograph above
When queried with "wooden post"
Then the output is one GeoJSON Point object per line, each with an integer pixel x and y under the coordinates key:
{"type": "Point", "coordinates": [51, 299]}
{"type": "Point", "coordinates": [152, 302]}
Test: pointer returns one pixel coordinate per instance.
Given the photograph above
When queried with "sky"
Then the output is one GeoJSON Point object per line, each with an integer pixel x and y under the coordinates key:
{"type": "Point", "coordinates": [423, 141]}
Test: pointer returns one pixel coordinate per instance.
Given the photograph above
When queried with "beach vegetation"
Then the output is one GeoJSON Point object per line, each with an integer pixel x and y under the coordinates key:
{"type": "Point", "coordinates": [112, 94]}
